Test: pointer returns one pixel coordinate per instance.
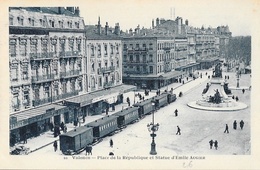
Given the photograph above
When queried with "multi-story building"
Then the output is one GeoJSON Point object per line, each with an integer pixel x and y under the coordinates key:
{"type": "Point", "coordinates": [46, 54]}
{"type": "Point", "coordinates": [104, 71]}
{"type": "Point", "coordinates": [150, 60]}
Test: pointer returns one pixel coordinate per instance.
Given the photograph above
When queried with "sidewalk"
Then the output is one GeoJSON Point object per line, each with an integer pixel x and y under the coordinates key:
{"type": "Point", "coordinates": [47, 138]}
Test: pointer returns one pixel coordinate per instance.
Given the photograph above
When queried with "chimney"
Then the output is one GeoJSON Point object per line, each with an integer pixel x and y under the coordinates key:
{"type": "Point", "coordinates": [77, 12]}
{"type": "Point", "coordinates": [106, 28]}
{"type": "Point", "coordinates": [59, 10]}
{"type": "Point", "coordinates": [99, 26]}
{"type": "Point", "coordinates": [117, 29]}
{"type": "Point", "coordinates": [186, 22]}
{"type": "Point", "coordinates": [157, 22]}
{"type": "Point", "coordinates": [71, 9]}
{"type": "Point", "coordinates": [153, 24]}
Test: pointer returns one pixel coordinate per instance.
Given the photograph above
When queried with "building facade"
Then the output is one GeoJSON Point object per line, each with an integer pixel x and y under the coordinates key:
{"type": "Point", "coordinates": [47, 60]}
{"type": "Point", "coordinates": [150, 61]}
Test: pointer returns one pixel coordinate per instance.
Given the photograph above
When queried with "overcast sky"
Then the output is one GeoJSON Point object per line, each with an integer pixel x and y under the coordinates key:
{"type": "Point", "coordinates": [236, 14]}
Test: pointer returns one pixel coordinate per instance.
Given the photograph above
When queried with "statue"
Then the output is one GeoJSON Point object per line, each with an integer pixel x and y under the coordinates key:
{"type": "Point", "coordinates": [217, 71]}
{"type": "Point", "coordinates": [217, 97]}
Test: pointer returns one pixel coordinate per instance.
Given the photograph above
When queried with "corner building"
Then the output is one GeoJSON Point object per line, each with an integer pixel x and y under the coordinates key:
{"type": "Point", "coordinates": [47, 60]}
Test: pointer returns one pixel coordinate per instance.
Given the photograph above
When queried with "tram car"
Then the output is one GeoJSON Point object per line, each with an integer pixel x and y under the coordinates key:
{"type": "Point", "coordinates": [126, 116]}
{"type": "Point", "coordinates": [144, 107]}
{"type": "Point", "coordinates": [76, 140]}
{"type": "Point", "coordinates": [103, 126]}
{"type": "Point", "coordinates": [161, 100]}
{"type": "Point", "coordinates": [171, 97]}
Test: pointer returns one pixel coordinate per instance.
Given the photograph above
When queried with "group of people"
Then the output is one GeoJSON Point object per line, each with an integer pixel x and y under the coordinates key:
{"type": "Point", "coordinates": [215, 143]}
{"type": "Point", "coordinates": [241, 123]}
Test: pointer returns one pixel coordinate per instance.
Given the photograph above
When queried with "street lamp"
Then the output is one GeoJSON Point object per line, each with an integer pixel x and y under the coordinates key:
{"type": "Point", "coordinates": [153, 128]}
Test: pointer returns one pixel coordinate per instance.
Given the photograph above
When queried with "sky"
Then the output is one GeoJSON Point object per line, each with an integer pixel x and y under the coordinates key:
{"type": "Point", "coordinates": [236, 14]}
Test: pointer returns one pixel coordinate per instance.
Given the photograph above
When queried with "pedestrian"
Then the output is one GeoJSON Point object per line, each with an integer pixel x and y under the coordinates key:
{"type": "Point", "coordinates": [143, 97]}
{"type": "Point", "coordinates": [187, 78]}
{"type": "Point", "coordinates": [243, 90]}
{"type": "Point", "coordinates": [209, 77]}
{"type": "Point", "coordinates": [216, 144]}
{"type": "Point", "coordinates": [236, 98]}
{"type": "Point", "coordinates": [211, 143]}
{"type": "Point", "coordinates": [226, 129]}
{"type": "Point", "coordinates": [62, 126]}
{"type": "Point", "coordinates": [233, 97]}
{"type": "Point", "coordinates": [65, 129]}
{"type": "Point", "coordinates": [227, 77]}
{"type": "Point", "coordinates": [176, 113]}
{"type": "Point", "coordinates": [111, 143]}
{"type": "Point", "coordinates": [241, 124]}
{"type": "Point", "coordinates": [25, 138]}
{"type": "Point", "coordinates": [55, 145]}
{"type": "Point", "coordinates": [235, 125]}
{"type": "Point", "coordinates": [178, 130]}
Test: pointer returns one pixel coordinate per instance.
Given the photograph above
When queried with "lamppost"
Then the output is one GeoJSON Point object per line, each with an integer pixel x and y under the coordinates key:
{"type": "Point", "coordinates": [153, 128]}
{"type": "Point", "coordinates": [237, 74]}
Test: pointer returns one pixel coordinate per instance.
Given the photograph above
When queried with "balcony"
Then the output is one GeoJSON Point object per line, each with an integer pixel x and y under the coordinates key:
{"type": "Point", "coordinates": [136, 62]}
{"type": "Point", "coordinates": [39, 102]}
{"type": "Point", "coordinates": [41, 56]}
{"type": "Point", "coordinates": [71, 73]}
{"type": "Point", "coordinates": [68, 54]}
{"type": "Point", "coordinates": [108, 84]}
{"type": "Point", "coordinates": [107, 69]}
{"type": "Point", "coordinates": [135, 72]}
{"type": "Point", "coordinates": [43, 78]}
{"type": "Point", "coordinates": [137, 50]}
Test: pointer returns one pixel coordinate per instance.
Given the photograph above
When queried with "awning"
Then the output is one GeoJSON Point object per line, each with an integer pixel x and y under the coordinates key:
{"type": "Point", "coordinates": [172, 74]}
{"type": "Point", "coordinates": [188, 66]}
{"type": "Point", "coordinates": [105, 94]}
{"type": "Point", "coordinates": [33, 115]}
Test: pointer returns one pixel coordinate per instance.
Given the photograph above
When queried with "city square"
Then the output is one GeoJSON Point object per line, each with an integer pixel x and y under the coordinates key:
{"type": "Point", "coordinates": [92, 85]}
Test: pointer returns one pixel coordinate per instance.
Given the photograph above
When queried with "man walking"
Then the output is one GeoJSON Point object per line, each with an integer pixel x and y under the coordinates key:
{"type": "Point", "coordinates": [241, 124]}
{"type": "Point", "coordinates": [235, 125]}
{"type": "Point", "coordinates": [211, 143]}
{"type": "Point", "coordinates": [216, 144]}
{"type": "Point", "coordinates": [55, 145]}
{"type": "Point", "coordinates": [226, 129]}
{"type": "Point", "coordinates": [178, 130]}
{"type": "Point", "coordinates": [176, 113]}
{"type": "Point", "coordinates": [111, 143]}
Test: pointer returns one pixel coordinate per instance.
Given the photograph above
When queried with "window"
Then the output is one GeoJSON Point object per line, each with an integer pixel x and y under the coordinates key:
{"type": "Point", "coordinates": [14, 74]}
{"type": "Point", "coordinates": [26, 98]}
{"type": "Point", "coordinates": [125, 47]}
{"type": "Point", "coordinates": [99, 50]}
{"type": "Point", "coordinates": [150, 46]}
{"type": "Point", "coordinates": [79, 47]}
{"type": "Point", "coordinates": [22, 48]}
{"type": "Point", "coordinates": [25, 74]}
{"type": "Point", "coordinates": [112, 48]}
{"type": "Point", "coordinates": [100, 81]}
{"type": "Point", "coordinates": [72, 86]}
{"type": "Point", "coordinates": [92, 50]}
{"type": "Point", "coordinates": [131, 58]}
{"type": "Point", "coordinates": [64, 87]}
{"type": "Point", "coordinates": [106, 64]}
{"type": "Point", "coordinates": [12, 50]}
{"type": "Point", "coordinates": [151, 69]}
{"type": "Point", "coordinates": [105, 48]}
{"type": "Point", "coordinates": [144, 45]}
{"type": "Point", "coordinates": [137, 58]}
{"type": "Point", "coordinates": [93, 67]}
{"type": "Point", "coordinates": [117, 63]}
{"type": "Point", "coordinates": [36, 94]}
{"type": "Point", "coordinates": [80, 85]}
{"type": "Point", "coordinates": [99, 65]}
{"type": "Point", "coordinates": [137, 68]}
{"type": "Point", "coordinates": [11, 21]}
{"type": "Point", "coordinates": [151, 58]}
{"type": "Point", "coordinates": [47, 92]}
{"type": "Point", "coordinates": [144, 58]}
{"type": "Point", "coordinates": [137, 46]}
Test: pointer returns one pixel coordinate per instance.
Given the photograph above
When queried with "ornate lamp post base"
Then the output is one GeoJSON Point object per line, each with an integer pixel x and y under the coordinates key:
{"type": "Point", "coordinates": [153, 145]}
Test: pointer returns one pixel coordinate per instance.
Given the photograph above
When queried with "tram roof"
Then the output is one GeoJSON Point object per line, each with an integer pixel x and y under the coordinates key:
{"type": "Point", "coordinates": [101, 121]}
{"type": "Point", "coordinates": [76, 131]}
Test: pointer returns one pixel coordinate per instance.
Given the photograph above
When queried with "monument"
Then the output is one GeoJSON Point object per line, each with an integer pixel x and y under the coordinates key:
{"type": "Point", "coordinates": [215, 95]}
